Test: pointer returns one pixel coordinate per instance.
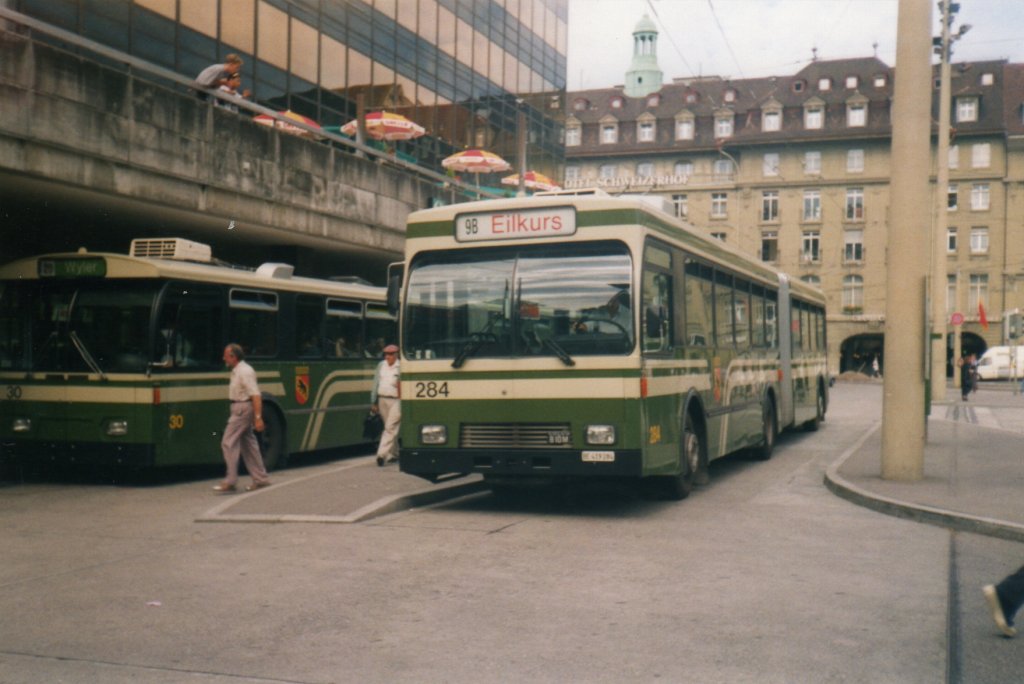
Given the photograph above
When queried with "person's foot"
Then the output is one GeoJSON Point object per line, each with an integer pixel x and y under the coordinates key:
{"type": "Point", "coordinates": [380, 461]}
{"type": "Point", "coordinates": [257, 485]}
{"type": "Point", "coordinates": [224, 488]}
{"type": "Point", "coordinates": [996, 606]}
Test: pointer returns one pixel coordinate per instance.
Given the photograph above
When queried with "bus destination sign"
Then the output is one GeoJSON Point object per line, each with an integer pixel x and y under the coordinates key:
{"type": "Point", "coordinates": [90, 267]}
{"type": "Point", "coordinates": [515, 224]}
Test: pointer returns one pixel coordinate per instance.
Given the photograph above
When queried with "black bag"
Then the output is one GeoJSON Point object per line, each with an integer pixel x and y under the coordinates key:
{"type": "Point", "coordinates": [373, 426]}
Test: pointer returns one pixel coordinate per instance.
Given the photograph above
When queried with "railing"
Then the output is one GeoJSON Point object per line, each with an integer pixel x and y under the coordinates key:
{"type": "Point", "coordinates": [136, 65]}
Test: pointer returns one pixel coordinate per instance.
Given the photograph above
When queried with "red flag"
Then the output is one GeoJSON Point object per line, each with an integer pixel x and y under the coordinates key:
{"type": "Point", "coordinates": [981, 316]}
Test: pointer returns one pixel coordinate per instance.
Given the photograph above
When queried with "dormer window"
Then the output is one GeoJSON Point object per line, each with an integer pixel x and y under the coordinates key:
{"type": "Point", "coordinates": [645, 130]}
{"type": "Point", "coordinates": [684, 129]}
{"type": "Point", "coordinates": [580, 104]}
{"type": "Point", "coordinates": [573, 136]}
{"type": "Point", "coordinates": [824, 84]}
{"type": "Point", "coordinates": [798, 86]}
{"type": "Point", "coordinates": [691, 97]}
{"type": "Point", "coordinates": [856, 114]}
{"type": "Point", "coordinates": [616, 103]}
{"type": "Point", "coordinates": [771, 120]}
{"type": "Point", "coordinates": [851, 82]}
{"type": "Point", "coordinates": [654, 100]}
{"type": "Point", "coordinates": [966, 109]}
{"type": "Point", "coordinates": [879, 80]}
{"type": "Point", "coordinates": [723, 125]}
{"type": "Point", "coordinates": [814, 117]}
{"type": "Point", "coordinates": [988, 78]}
{"type": "Point", "coordinates": [609, 131]}
{"type": "Point", "coordinates": [729, 95]}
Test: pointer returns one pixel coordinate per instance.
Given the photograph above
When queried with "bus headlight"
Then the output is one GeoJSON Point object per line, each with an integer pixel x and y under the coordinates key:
{"type": "Point", "coordinates": [22, 425]}
{"type": "Point", "coordinates": [117, 428]}
{"type": "Point", "coordinates": [601, 434]}
{"type": "Point", "coordinates": [433, 434]}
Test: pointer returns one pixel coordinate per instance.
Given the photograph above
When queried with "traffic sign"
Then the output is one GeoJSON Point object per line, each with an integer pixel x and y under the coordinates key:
{"type": "Point", "coordinates": [956, 319]}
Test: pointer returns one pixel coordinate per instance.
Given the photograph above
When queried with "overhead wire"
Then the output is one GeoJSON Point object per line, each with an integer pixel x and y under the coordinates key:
{"type": "Point", "coordinates": [725, 38]}
{"type": "Point", "coordinates": [668, 34]}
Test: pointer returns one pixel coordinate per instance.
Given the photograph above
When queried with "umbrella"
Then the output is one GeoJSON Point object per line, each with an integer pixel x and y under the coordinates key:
{"type": "Point", "coordinates": [268, 120]}
{"type": "Point", "coordinates": [386, 126]}
{"type": "Point", "coordinates": [531, 180]}
{"type": "Point", "coordinates": [475, 161]}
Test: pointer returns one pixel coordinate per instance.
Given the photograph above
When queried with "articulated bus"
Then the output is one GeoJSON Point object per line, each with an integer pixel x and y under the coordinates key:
{"type": "Point", "coordinates": [115, 359]}
{"type": "Point", "coordinates": [579, 335]}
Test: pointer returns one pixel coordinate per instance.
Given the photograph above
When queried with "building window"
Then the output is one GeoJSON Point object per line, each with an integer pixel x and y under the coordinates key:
{"type": "Point", "coordinates": [851, 82]}
{"type": "Point", "coordinates": [879, 81]}
{"type": "Point", "coordinates": [645, 131]}
{"type": "Point", "coordinates": [684, 129]}
{"type": "Point", "coordinates": [981, 155]}
{"type": "Point", "coordinates": [580, 104]}
{"type": "Point", "coordinates": [853, 292]}
{"type": "Point", "coordinates": [723, 126]}
{"type": "Point", "coordinates": [812, 205]}
{"type": "Point", "coordinates": [719, 236]}
{"type": "Point", "coordinates": [856, 115]}
{"type": "Point", "coordinates": [855, 161]}
{"type": "Point", "coordinates": [681, 206]}
{"type": "Point", "coordinates": [616, 103]}
{"type": "Point", "coordinates": [770, 205]}
{"type": "Point", "coordinates": [951, 240]}
{"type": "Point", "coordinates": [979, 197]}
{"type": "Point", "coordinates": [572, 172]}
{"type": "Point", "coordinates": [812, 163]}
{"type": "Point", "coordinates": [811, 279]}
{"type": "Point", "coordinates": [810, 246]}
{"type": "Point", "coordinates": [966, 109]}
{"type": "Point", "coordinates": [645, 169]}
{"type": "Point", "coordinates": [824, 84]}
{"type": "Point", "coordinates": [798, 86]}
{"type": "Point", "coordinates": [770, 246]}
{"type": "Point", "coordinates": [609, 134]}
{"type": "Point", "coordinates": [813, 117]}
{"type": "Point", "coordinates": [770, 165]}
{"type": "Point", "coordinates": [952, 197]}
{"type": "Point", "coordinates": [771, 121]}
{"type": "Point", "coordinates": [855, 204]}
{"type": "Point", "coordinates": [573, 136]}
{"type": "Point", "coordinates": [684, 169]}
{"type": "Point", "coordinates": [978, 291]}
{"type": "Point", "coordinates": [653, 100]}
{"type": "Point", "coordinates": [719, 204]}
{"type": "Point", "coordinates": [729, 95]}
{"type": "Point", "coordinates": [954, 157]}
{"type": "Point", "coordinates": [609, 171]}
{"type": "Point", "coordinates": [950, 293]}
{"type": "Point", "coordinates": [853, 245]}
{"type": "Point", "coordinates": [987, 78]}
{"type": "Point", "coordinates": [722, 169]}
{"type": "Point", "coordinates": [979, 240]}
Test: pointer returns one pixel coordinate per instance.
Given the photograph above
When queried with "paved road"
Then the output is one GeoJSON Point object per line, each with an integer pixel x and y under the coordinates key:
{"type": "Point", "coordinates": [761, 576]}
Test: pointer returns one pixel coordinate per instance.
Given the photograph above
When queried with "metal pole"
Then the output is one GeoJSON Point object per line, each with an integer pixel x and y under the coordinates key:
{"type": "Point", "coordinates": [521, 135]}
{"type": "Point", "coordinates": [939, 314]}
{"type": "Point", "coordinates": [903, 415]}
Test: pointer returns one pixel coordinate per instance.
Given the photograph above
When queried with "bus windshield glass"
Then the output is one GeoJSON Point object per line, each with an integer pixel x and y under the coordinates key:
{"type": "Point", "coordinates": [76, 326]}
{"type": "Point", "coordinates": [562, 301]}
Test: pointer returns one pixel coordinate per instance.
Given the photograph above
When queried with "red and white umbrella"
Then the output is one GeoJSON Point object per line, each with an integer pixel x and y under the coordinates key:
{"type": "Point", "coordinates": [267, 120]}
{"type": "Point", "coordinates": [532, 180]}
{"type": "Point", "coordinates": [385, 126]}
{"type": "Point", "coordinates": [475, 161]}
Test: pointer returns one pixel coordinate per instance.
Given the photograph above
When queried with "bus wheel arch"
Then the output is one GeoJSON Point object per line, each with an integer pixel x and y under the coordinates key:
{"type": "Point", "coordinates": [273, 439]}
{"type": "Point", "coordinates": [769, 427]}
{"type": "Point", "coordinates": [820, 406]}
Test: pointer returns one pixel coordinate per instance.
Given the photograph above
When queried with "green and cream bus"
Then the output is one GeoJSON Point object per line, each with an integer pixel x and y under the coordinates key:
{"type": "Point", "coordinates": [578, 335]}
{"type": "Point", "coordinates": [115, 359]}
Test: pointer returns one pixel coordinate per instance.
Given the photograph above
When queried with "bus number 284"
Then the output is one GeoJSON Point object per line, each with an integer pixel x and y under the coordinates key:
{"type": "Point", "coordinates": [431, 390]}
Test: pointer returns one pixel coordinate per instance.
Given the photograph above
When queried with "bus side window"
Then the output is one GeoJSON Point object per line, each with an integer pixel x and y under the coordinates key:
{"type": "Point", "coordinates": [699, 303]}
{"type": "Point", "coordinates": [381, 329]}
{"type": "Point", "coordinates": [309, 318]}
{"type": "Point", "coordinates": [344, 329]}
{"type": "Point", "coordinates": [253, 321]}
{"type": "Point", "coordinates": [757, 316]}
{"type": "Point", "coordinates": [771, 318]}
{"type": "Point", "coordinates": [189, 328]}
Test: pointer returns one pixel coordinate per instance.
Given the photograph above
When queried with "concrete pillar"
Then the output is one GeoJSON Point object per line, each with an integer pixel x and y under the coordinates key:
{"type": "Point", "coordinates": [903, 418]}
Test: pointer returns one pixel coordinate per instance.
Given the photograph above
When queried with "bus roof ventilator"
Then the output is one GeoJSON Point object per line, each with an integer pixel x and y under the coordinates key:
{"type": "Point", "coordinates": [177, 249]}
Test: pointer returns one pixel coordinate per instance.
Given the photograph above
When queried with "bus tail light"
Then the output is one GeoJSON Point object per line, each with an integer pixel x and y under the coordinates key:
{"type": "Point", "coordinates": [22, 425]}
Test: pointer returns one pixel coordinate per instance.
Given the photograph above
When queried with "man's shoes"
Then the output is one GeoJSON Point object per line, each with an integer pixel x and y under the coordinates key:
{"type": "Point", "coordinates": [257, 485]}
{"type": "Point", "coordinates": [996, 606]}
{"type": "Point", "coordinates": [380, 461]}
{"type": "Point", "coordinates": [224, 488]}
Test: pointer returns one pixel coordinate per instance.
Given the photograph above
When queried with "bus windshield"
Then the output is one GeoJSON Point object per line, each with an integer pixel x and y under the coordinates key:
{"type": "Point", "coordinates": [563, 300]}
{"type": "Point", "coordinates": [76, 326]}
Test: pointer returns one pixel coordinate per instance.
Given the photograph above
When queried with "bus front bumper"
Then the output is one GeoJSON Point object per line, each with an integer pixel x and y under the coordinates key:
{"type": "Point", "coordinates": [533, 463]}
{"type": "Point", "coordinates": [85, 453]}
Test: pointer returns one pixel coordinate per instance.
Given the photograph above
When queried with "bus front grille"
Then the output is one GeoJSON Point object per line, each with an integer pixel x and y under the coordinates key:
{"type": "Point", "coordinates": [515, 436]}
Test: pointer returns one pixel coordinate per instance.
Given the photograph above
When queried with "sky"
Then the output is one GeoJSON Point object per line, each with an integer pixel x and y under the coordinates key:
{"type": "Point", "coordinates": [754, 38]}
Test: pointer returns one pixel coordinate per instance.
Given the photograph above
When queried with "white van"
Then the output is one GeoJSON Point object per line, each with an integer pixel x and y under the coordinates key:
{"type": "Point", "coordinates": [997, 363]}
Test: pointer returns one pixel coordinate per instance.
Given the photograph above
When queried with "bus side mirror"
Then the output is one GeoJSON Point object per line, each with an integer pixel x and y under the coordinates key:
{"type": "Point", "coordinates": [395, 273]}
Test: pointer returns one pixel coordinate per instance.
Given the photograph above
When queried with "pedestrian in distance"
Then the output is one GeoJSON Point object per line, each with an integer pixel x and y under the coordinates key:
{"type": "Point", "coordinates": [217, 75]}
{"type": "Point", "coordinates": [1004, 600]}
{"type": "Point", "coordinates": [245, 417]}
{"type": "Point", "coordinates": [386, 399]}
{"type": "Point", "coordinates": [967, 373]}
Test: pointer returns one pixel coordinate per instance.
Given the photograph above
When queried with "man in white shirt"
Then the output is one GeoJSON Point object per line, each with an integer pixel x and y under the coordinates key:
{"type": "Point", "coordinates": [217, 75]}
{"type": "Point", "coordinates": [246, 416]}
{"type": "Point", "coordinates": [386, 399]}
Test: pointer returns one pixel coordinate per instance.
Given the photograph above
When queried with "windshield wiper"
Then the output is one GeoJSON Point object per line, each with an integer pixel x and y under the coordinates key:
{"type": "Point", "coordinates": [476, 340]}
{"type": "Point", "coordinates": [559, 351]}
{"type": "Point", "coordinates": [86, 356]}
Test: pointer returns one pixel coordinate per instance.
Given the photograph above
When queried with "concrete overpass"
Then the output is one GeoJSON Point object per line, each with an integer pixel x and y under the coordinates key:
{"type": "Point", "coordinates": [97, 147]}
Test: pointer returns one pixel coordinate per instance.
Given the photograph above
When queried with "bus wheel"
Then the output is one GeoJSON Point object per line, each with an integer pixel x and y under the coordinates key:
{"type": "Point", "coordinates": [819, 413]}
{"type": "Point", "coordinates": [678, 487]}
{"type": "Point", "coordinates": [272, 440]}
{"type": "Point", "coordinates": [769, 431]}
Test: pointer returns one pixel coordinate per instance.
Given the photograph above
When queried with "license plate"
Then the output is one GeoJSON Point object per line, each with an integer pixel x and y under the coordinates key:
{"type": "Point", "coordinates": [598, 456]}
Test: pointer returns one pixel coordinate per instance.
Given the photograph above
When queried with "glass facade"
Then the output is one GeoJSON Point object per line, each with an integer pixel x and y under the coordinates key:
{"type": "Point", "coordinates": [462, 69]}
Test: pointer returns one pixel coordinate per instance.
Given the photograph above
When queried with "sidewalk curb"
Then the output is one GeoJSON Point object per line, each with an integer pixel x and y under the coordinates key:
{"type": "Point", "coordinates": [930, 515]}
{"type": "Point", "coordinates": [376, 509]}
